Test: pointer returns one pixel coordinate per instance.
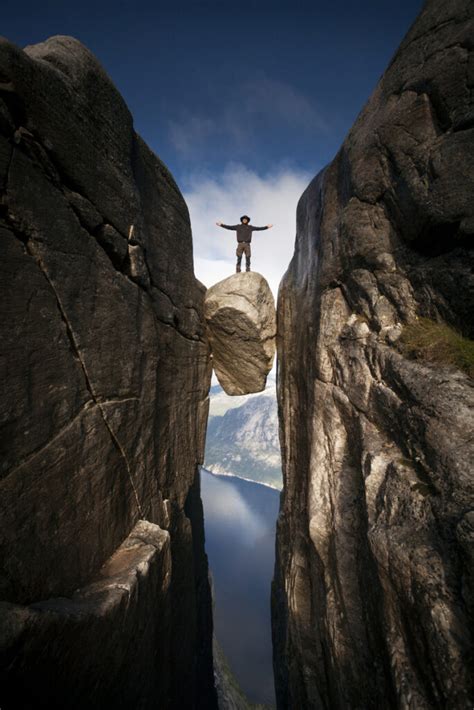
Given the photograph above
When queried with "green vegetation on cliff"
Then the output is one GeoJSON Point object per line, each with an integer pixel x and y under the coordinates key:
{"type": "Point", "coordinates": [426, 339]}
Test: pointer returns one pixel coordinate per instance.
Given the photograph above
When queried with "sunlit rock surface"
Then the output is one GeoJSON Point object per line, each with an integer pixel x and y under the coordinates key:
{"type": "Point", "coordinates": [373, 600]}
{"type": "Point", "coordinates": [241, 326]}
{"type": "Point", "coordinates": [105, 374]}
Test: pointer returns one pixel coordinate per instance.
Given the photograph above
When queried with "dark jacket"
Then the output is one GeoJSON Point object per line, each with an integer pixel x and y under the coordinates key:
{"type": "Point", "coordinates": [244, 231]}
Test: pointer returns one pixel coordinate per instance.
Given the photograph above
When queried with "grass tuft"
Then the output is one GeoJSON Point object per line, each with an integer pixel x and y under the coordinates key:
{"type": "Point", "coordinates": [425, 339]}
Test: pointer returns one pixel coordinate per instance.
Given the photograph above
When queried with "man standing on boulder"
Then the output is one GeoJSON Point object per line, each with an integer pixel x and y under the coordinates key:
{"type": "Point", "coordinates": [244, 237]}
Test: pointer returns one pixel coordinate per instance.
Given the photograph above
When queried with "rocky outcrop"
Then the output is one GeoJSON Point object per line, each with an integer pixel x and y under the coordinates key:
{"type": "Point", "coordinates": [373, 592]}
{"type": "Point", "coordinates": [103, 414]}
{"type": "Point", "coordinates": [241, 326]}
{"type": "Point", "coordinates": [113, 608]}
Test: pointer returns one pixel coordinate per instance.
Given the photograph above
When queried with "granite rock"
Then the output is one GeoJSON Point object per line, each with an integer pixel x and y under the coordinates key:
{"type": "Point", "coordinates": [241, 326]}
{"type": "Point", "coordinates": [104, 406]}
{"type": "Point", "coordinates": [113, 607]}
{"type": "Point", "coordinates": [373, 590]}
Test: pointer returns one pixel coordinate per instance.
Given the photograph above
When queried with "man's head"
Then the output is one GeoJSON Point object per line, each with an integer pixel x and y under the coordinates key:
{"type": "Point", "coordinates": [245, 219]}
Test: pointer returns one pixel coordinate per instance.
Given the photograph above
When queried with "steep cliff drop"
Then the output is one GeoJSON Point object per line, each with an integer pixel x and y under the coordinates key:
{"type": "Point", "coordinates": [105, 368]}
{"type": "Point", "coordinates": [373, 588]}
{"type": "Point", "coordinates": [241, 327]}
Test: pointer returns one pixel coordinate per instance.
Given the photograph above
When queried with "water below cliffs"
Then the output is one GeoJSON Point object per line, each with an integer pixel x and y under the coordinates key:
{"type": "Point", "coordinates": [239, 519]}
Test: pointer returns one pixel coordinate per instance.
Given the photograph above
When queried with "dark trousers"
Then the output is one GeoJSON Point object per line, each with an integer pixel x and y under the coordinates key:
{"type": "Point", "coordinates": [243, 248]}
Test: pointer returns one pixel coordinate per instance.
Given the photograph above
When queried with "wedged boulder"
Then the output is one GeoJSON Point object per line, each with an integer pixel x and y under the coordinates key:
{"type": "Point", "coordinates": [241, 326]}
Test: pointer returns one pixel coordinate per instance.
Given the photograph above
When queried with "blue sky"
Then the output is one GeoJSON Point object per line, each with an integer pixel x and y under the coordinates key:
{"type": "Point", "coordinates": [244, 101]}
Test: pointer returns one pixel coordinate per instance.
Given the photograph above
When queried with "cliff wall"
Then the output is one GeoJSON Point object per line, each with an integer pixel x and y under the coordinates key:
{"type": "Point", "coordinates": [106, 371]}
{"type": "Point", "coordinates": [373, 591]}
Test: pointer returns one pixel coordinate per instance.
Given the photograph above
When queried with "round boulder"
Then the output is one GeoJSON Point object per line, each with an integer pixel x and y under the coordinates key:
{"type": "Point", "coordinates": [241, 327]}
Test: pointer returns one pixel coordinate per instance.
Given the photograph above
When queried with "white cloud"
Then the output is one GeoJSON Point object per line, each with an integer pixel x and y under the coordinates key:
{"type": "Point", "coordinates": [225, 197]}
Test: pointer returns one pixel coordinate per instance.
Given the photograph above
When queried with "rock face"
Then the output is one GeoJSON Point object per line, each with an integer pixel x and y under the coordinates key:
{"type": "Point", "coordinates": [106, 370]}
{"type": "Point", "coordinates": [241, 325]}
{"type": "Point", "coordinates": [373, 588]}
{"type": "Point", "coordinates": [114, 607]}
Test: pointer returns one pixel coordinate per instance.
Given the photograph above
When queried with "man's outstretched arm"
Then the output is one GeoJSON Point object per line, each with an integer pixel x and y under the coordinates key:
{"type": "Point", "coordinates": [259, 229]}
{"type": "Point", "coordinates": [227, 226]}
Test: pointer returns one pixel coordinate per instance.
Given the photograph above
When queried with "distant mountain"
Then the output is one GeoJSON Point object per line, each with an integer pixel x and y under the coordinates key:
{"type": "Point", "coordinates": [221, 402]}
{"type": "Point", "coordinates": [242, 436]}
{"type": "Point", "coordinates": [230, 695]}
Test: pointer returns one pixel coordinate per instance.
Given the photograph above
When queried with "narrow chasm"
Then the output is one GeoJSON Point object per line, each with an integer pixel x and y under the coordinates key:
{"type": "Point", "coordinates": [158, 549]}
{"type": "Point", "coordinates": [240, 483]}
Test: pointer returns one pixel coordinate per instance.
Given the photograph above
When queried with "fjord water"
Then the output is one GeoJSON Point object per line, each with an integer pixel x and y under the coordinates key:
{"type": "Point", "coordinates": [239, 520]}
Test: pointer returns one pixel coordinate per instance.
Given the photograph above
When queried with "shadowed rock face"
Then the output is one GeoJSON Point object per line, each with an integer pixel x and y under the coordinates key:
{"type": "Point", "coordinates": [106, 371]}
{"type": "Point", "coordinates": [373, 588]}
{"type": "Point", "coordinates": [114, 608]}
{"type": "Point", "coordinates": [241, 326]}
